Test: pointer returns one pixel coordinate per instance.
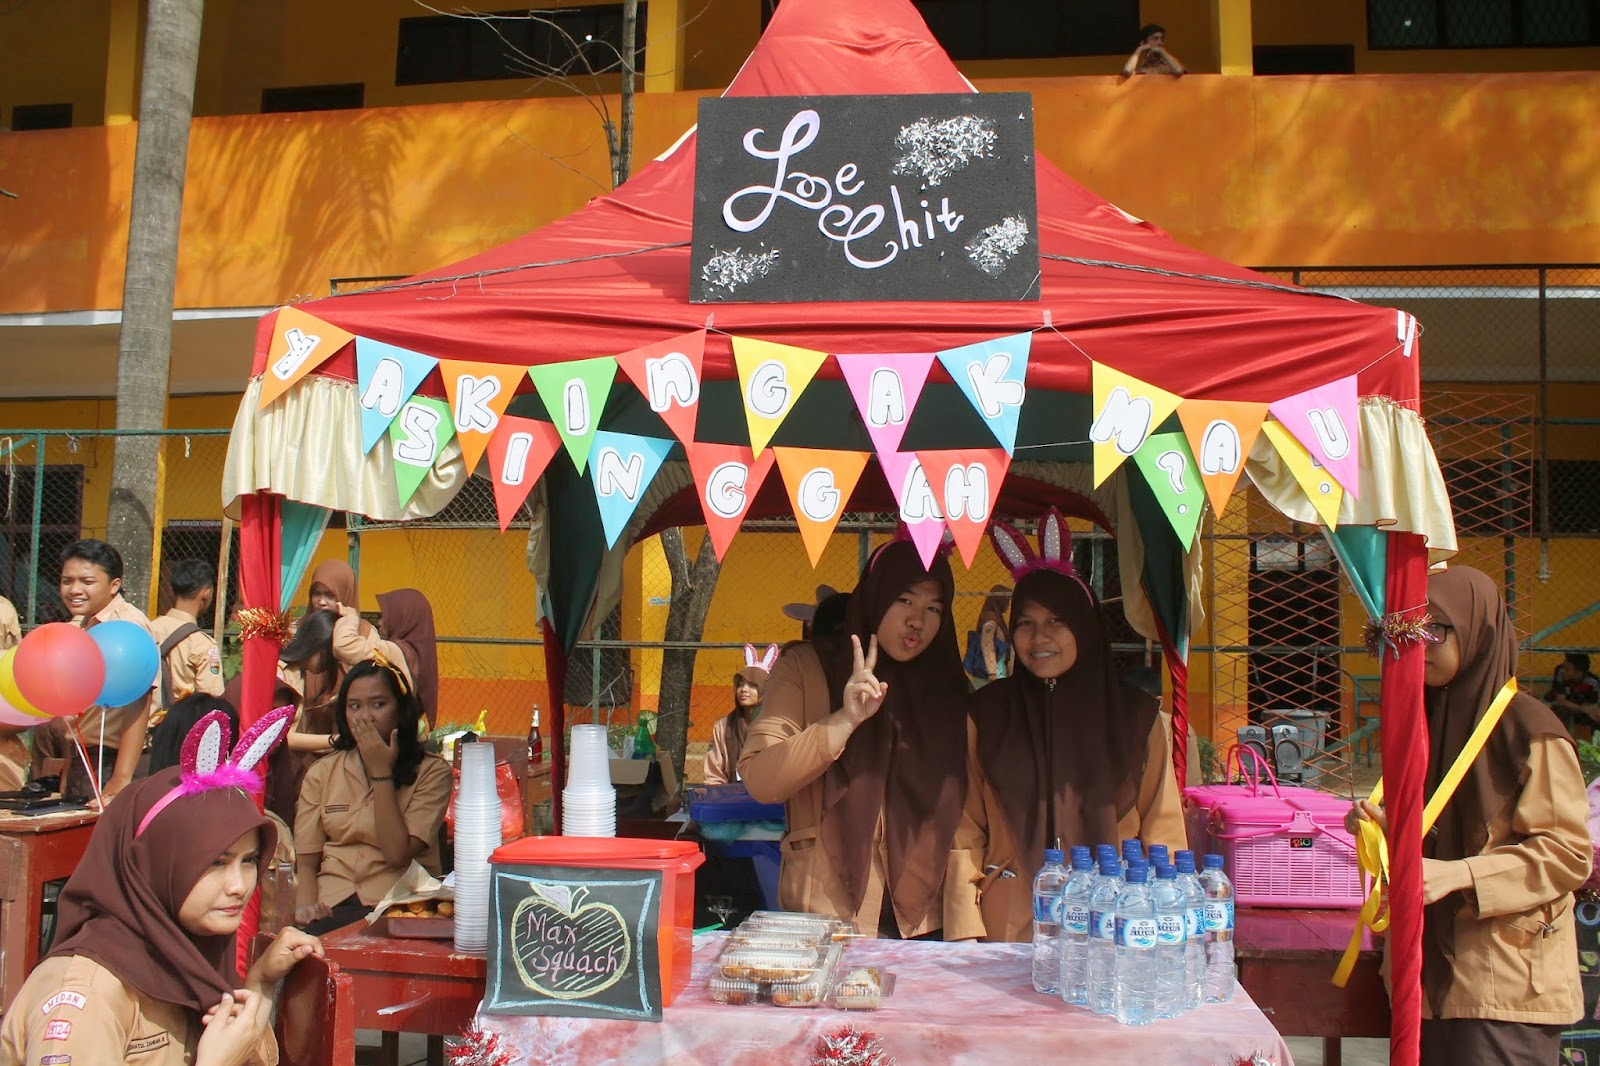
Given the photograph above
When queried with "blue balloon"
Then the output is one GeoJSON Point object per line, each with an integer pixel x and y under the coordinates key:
{"type": "Point", "coordinates": [132, 660]}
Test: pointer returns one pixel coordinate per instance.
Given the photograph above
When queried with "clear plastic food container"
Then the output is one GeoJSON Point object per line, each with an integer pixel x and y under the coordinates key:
{"type": "Point", "coordinates": [733, 991]}
{"type": "Point", "coordinates": [861, 988]}
{"type": "Point", "coordinates": [769, 964]}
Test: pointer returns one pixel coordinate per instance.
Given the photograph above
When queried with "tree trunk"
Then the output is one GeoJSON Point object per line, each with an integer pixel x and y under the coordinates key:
{"type": "Point", "coordinates": [692, 588]}
{"type": "Point", "coordinates": [622, 158]}
{"type": "Point", "coordinates": [166, 105]}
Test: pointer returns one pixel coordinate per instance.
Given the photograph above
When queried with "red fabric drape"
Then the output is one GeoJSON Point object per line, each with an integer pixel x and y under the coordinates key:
{"type": "Point", "coordinates": [1405, 768]}
{"type": "Point", "coordinates": [555, 672]}
{"type": "Point", "coordinates": [1180, 709]}
{"type": "Point", "coordinates": [260, 569]}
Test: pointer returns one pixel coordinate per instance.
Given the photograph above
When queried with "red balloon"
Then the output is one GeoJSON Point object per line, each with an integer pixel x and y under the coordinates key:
{"type": "Point", "coordinates": [59, 669]}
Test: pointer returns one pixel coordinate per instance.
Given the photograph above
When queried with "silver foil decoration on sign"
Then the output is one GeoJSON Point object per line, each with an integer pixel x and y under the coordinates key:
{"type": "Point", "coordinates": [992, 250]}
{"type": "Point", "coordinates": [937, 148]}
{"type": "Point", "coordinates": [729, 270]}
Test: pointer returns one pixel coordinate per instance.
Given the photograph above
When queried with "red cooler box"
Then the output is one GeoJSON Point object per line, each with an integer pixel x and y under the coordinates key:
{"type": "Point", "coordinates": [675, 860]}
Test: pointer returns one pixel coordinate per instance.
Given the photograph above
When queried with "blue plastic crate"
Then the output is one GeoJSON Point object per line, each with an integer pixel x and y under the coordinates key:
{"type": "Point", "coordinates": [710, 804]}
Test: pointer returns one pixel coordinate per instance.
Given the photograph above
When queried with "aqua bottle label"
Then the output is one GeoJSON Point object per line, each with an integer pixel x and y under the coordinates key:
{"type": "Point", "coordinates": [1196, 922]}
{"type": "Point", "coordinates": [1136, 932]}
{"type": "Point", "coordinates": [1219, 915]}
{"type": "Point", "coordinates": [1075, 920]}
{"type": "Point", "coordinates": [1170, 928]}
{"type": "Point", "coordinates": [1103, 924]}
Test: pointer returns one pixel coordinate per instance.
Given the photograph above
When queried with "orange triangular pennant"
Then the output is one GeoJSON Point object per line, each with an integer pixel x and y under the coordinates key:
{"type": "Point", "coordinates": [1220, 433]}
{"type": "Point", "coordinates": [820, 482]}
{"type": "Point", "coordinates": [300, 343]}
{"type": "Point", "coordinates": [966, 483]}
{"type": "Point", "coordinates": [479, 394]}
{"type": "Point", "coordinates": [519, 451]}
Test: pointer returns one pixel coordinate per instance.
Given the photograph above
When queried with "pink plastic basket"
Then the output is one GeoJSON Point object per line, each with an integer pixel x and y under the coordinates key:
{"type": "Point", "coordinates": [1286, 847]}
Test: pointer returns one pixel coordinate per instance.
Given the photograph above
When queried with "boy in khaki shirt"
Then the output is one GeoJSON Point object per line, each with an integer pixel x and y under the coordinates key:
{"type": "Point", "coordinates": [190, 659]}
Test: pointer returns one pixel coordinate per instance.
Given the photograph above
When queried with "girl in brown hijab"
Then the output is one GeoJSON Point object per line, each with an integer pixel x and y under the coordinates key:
{"type": "Point", "coordinates": [143, 968]}
{"type": "Point", "coordinates": [1499, 948]}
{"type": "Point", "coordinates": [1067, 751]}
{"type": "Point", "coordinates": [405, 637]}
{"type": "Point", "coordinates": [864, 738]}
{"type": "Point", "coordinates": [728, 735]}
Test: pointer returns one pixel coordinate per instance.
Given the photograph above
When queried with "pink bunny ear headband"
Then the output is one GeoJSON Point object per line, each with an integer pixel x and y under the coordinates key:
{"type": "Point", "coordinates": [1055, 548]}
{"type": "Point", "coordinates": [204, 767]}
{"type": "Point", "coordinates": [764, 662]}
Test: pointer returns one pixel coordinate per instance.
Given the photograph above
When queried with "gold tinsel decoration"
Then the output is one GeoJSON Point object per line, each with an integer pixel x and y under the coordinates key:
{"type": "Point", "coordinates": [263, 622]}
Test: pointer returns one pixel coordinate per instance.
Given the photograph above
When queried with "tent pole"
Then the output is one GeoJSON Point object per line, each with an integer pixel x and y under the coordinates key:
{"type": "Point", "coordinates": [555, 672]}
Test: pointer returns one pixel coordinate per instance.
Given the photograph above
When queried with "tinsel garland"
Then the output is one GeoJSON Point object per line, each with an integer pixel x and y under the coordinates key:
{"type": "Point", "coordinates": [850, 1046]}
{"type": "Point", "coordinates": [263, 622]}
{"type": "Point", "coordinates": [479, 1047]}
{"type": "Point", "coordinates": [1397, 629]}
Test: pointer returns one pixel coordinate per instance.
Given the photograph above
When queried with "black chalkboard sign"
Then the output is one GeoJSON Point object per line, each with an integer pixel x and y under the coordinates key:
{"type": "Point", "coordinates": [918, 197]}
{"type": "Point", "coordinates": [574, 942]}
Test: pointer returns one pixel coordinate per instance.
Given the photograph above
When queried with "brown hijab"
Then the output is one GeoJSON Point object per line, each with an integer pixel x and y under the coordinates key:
{"type": "Point", "coordinates": [908, 761]}
{"type": "Point", "coordinates": [1467, 600]}
{"type": "Point", "coordinates": [1064, 759]}
{"type": "Point", "coordinates": [739, 717]}
{"type": "Point", "coordinates": [408, 622]}
{"type": "Point", "coordinates": [322, 686]}
{"type": "Point", "coordinates": [120, 908]}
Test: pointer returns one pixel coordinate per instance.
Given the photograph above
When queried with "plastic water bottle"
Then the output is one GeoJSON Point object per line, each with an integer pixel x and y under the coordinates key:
{"type": "Point", "coordinates": [1194, 947]}
{"type": "Point", "coordinates": [1136, 949]}
{"type": "Point", "coordinates": [1171, 937]}
{"type": "Point", "coordinates": [1075, 928]}
{"type": "Point", "coordinates": [1047, 923]}
{"type": "Point", "coordinates": [1220, 975]}
{"type": "Point", "coordinates": [1103, 895]}
{"type": "Point", "coordinates": [1158, 856]}
{"type": "Point", "coordinates": [1132, 851]}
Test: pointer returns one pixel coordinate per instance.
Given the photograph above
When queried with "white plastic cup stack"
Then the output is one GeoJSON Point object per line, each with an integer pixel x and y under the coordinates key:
{"type": "Point", "coordinates": [477, 835]}
{"type": "Point", "coordinates": [589, 802]}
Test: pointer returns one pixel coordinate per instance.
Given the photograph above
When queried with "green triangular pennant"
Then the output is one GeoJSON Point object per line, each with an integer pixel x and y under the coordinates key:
{"type": "Point", "coordinates": [1169, 468]}
{"type": "Point", "coordinates": [417, 435]}
{"type": "Point", "coordinates": [574, 394]}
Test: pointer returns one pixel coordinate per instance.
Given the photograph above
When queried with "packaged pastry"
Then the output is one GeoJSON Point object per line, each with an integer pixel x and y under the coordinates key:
{"type": "Point", "coordinates": [733, 991]}
{"type": "Point", "coordinates": [861, 988]}
{"type": "Point", "coordinates": [809, 992]}
{"type": "Point", "coordinates": [779, 939]}
{"type": "Point", "coordinates": [768, 964]}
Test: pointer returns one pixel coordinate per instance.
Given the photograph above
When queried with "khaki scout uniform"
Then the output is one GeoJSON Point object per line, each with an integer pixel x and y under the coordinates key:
{"type": "Point", "coordinates": [195, 665]}
{"type": "Point", "coordinates": [335, 822]}
{"type": "Point", "coordinates": [10, 625]}
{"type": "Point", "coordinates": [74, 1012]}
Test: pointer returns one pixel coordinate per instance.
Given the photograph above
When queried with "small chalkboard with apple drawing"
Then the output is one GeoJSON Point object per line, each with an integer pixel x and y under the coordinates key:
{"type": "Point", "coordinates": [574, 942]}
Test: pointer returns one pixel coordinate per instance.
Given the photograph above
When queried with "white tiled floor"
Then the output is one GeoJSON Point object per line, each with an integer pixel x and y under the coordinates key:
{"type": "Point", "coordinates": [1307, 1051]}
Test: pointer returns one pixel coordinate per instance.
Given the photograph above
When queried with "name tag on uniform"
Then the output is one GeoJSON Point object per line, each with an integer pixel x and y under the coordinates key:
{"type": "Point", "coordinates": [145, 1044]}
{"type": "Point", "coordinates": [336, 808]}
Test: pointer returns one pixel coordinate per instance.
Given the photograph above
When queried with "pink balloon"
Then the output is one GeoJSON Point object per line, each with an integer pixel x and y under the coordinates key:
{"type": "Point", "coordinates": [59, 669]}
{"type": "Point", "coordinates": [9, 715]}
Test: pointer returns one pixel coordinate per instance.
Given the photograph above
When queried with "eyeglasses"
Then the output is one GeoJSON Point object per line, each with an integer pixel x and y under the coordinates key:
{"type": "Point", "coordinates": [1438, 630]}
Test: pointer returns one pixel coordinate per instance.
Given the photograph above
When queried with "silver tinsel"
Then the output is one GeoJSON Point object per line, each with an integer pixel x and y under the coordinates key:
{"type": "Point", "coordinates": [937, 148]}
{"type": "Point", "coordinates": [729, 270]}
{"type": "Point", "coordinates": [991, 250]}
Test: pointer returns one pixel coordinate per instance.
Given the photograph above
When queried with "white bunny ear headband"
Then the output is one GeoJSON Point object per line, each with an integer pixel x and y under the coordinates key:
{"type": "Point", "coordinates": [1055, 547]}
{"type": "Point", "coordinates": [203, 763]}
{"type": "Point", "coordinates": [765, 661]}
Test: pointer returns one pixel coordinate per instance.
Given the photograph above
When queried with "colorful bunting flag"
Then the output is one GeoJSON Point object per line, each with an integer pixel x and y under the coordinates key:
{"type": "Point", "coordinates": [886, 389]}
{"type": "Point", "coordinates": [1325, 422]}
{"type": "Point", "coordinates": [820, 482]}
{"type": "Point", "coordinates": [1169, 468]}
{"type": "Point", "coordinates": [667, 374]}
{"type": "Point", "coordinates": [300, 344]}
{"type": "Point", "coordinates": [518, 453]}
{"type": "Point", "coordinates": [1320, 487]}
{"type": "Point", "coordinates": [574, 393]}
{"type": "Point", "coordinates": [1126, 412]}
{"type": "Point", "coordinates": [624, 466]}
{"type": "Point", "coordinates": [479, 394]}
{"type": "Point", "coordinates": [1220, 435]}
{"type": "Point", "coordinates": [771, 378]}
{"type": "Point", "coordinates": [920, 507]}
{"type": "Point", "coordinates": [727, 477]}
{"type": "Point", "coordinates": [993, 377]}
{"type": "Point", "coordinates": [967, 483]}
{"type": "Point", "coordinates": [386, 377]}
{"type": "Point", "coordinates": [418, 435]}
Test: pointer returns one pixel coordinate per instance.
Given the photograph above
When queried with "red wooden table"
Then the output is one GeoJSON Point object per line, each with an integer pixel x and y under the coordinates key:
{"type": "Point", "coordinates": [408, 986]}
{"type": "Point", "coordinates": [1286, 960]}
{"type": "Point", "coordinates": [32, 852]}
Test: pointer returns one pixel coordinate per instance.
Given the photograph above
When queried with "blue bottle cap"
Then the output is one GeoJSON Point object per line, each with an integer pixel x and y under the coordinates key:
{"type": "Point", "coordinates": [1081, 858]}
{"type": "Point", "coordinates": [1186, 862]}
{"type": "Point", "coordinates": [1158, 854]}
{"type": "Point", "coordinates": [1166, 871]}
{"type": "Point", "coordinates": [1138, 873]}
{"type": "Point", "coordinates": [1052, 855]}
{"type": "Point", "coordinates": [1133, 845]}
{"type": "Point", "coordinates": [1181, 852]}
{"type": "Point", "coordinates": [1214, 862]}
{"type": "Point", "coordinates": [1105, 849]}
{"type": "Point", "coordinates": [1110, 868]}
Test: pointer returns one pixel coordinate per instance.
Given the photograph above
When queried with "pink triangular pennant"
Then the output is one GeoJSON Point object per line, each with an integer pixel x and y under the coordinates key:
{"type": "Point", "coordinates": [1325, 422]}
{"type": "Point", "coordinates": [518, 451]}
{"type": "Point", "coordinates": [886, 389]}
{"type": "Point", "coordinates": [667, 375]}
{"type": "Point", "coordinates": [966, 482]}
{"type": "Point", "coordinates": [920, 509]}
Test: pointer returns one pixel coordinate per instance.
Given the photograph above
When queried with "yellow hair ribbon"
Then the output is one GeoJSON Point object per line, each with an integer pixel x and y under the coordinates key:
{"type": "Point", "coordinates": [377, 658]}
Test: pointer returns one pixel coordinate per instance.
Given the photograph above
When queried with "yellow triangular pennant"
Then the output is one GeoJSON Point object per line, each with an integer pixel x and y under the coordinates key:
{"type": "Point", "coordinates": [1319, 486]}
{"type": "Point", "coordinates": [1126, 412]}
{"type": "Point", "coordinates": [771, 378]}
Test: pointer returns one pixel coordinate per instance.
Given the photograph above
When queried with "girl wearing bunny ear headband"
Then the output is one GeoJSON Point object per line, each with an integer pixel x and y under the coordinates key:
{"type": "Point", "coordinates": [1066, 749]}
{"type": "Point", "coordinates": [143, 969]}
{"type": "Point", "coordinates": [727, 736]}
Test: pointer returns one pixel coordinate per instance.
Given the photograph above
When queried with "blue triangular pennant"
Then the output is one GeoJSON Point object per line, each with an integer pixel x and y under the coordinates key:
{"type": "Point", "coordinates": [386, 376]}
{"type": "Point", "coordinates": [621, 466]}
{"type": "Point", "coordinates": [993, 375]}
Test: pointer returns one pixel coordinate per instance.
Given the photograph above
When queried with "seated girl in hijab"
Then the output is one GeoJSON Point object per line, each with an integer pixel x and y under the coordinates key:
{"type": "Point", "coordinates": [1499, 943]}
{"type": "Point", "coordinates": [1068, 751]}
{"type": "Point", "coordinates": [143, 970]}
{"type": "Point", "coordinates": [863, 736]}
{"type": "Point", "coordinates": [405, 637]}
{"type": "Point", "coordinates": [728, 735]}
{"type": "Point", "coordinates": [371, 807]}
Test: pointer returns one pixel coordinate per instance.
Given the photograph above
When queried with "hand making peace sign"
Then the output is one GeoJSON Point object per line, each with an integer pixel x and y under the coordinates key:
{"type": "Point", "coordinates": [863, 693]}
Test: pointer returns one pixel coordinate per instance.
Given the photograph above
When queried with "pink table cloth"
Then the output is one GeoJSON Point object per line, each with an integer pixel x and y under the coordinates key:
{"type": "Point", "coordinates": [961, 1004]}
